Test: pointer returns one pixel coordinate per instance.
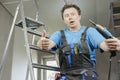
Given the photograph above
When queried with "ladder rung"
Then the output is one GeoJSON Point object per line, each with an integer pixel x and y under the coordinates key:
{"type": "Point", "coordinates": [116, 4]}
{"type": "Point", "coordinates": [34, 32]}
{"type": "Point", "coordinates": [116, 16]}
{"type": "Point", "coordinates": [30, 23]}
{"type": "Point", "coordinates": [45, 67]}
{"type": "Point", "coordinates": [116, 27]}
{"type": "Point", "coordinates": [38, 49]}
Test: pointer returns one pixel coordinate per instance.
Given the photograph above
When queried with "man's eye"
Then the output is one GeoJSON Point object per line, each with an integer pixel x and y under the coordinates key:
{"type": "Point", "coordinates": [66, 16]}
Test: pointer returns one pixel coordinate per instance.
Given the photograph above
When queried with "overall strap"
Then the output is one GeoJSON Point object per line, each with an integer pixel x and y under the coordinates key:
{"type": "Point", "coordinates": [84, 45]}
{"type": "Point", "coordinates": [63, 42]}
{"type": "Point", "coordinates": [84, 33]}
{"type": "Point", "coordinates": [63, 38]}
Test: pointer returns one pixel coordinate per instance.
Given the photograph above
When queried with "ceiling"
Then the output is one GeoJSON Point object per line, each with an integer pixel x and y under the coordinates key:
{"type": "Point", "coordinates": [48, 13]}
{"type": "Point", "coordinates": [49, 10]}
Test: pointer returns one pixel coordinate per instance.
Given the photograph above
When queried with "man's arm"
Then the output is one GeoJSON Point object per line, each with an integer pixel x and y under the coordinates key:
{"type": "Point", "coordinates": [110, 45]}
{"type": "Point", "coordinates": [44, 43]}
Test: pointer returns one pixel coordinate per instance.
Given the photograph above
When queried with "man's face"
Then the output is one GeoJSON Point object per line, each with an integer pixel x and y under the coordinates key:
{"type": "Point", "coordinates": [71, 17]}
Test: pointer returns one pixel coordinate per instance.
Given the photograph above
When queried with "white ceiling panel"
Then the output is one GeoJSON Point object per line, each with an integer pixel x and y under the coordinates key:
{"type": "Point", "coordinates": [50, 10]}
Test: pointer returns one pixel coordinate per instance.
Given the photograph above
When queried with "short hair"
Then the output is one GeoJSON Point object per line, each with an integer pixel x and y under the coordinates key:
{"type": "Point", "coordinates": [70, 6]}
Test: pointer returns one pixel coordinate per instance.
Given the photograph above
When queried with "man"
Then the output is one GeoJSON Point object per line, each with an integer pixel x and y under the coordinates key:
{"type": "Point", "coordinates": [71, 15]}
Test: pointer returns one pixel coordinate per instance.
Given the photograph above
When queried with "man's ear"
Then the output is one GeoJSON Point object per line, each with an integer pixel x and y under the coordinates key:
{"type": "Point", "coordinates": [79, 17]}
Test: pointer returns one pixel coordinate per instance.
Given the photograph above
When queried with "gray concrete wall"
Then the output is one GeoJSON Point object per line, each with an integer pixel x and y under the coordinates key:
{"type": "Point", "coordinates": [5, 22]}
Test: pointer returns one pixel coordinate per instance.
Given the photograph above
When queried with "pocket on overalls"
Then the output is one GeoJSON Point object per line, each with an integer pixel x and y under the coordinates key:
{"type": "Point", "coordinates": [91, 75]}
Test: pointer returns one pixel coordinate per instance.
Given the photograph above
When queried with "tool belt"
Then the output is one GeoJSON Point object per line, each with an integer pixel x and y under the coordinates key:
{"type": "Point", "coordinates": [83, 74]}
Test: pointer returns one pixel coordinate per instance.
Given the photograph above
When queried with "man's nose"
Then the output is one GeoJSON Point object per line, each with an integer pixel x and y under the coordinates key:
{"type": "Point", "coordinates": [70, 17]}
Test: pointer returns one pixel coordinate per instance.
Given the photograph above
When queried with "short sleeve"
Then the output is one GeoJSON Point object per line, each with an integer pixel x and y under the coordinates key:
{"type": "Point", "coordinates": [94, 38]}
{"type": "Point", "coordinates": [55, 37]}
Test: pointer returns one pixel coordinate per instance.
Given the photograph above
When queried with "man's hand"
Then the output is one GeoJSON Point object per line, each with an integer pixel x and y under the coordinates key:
{"type": "Point", "coordinates": [43, 43]}
{"type": "Point", "coordinates": [113, 44]}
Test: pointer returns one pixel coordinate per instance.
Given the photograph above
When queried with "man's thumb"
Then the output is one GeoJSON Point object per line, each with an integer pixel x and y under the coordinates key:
{"type": "Point", "coordinates": [44, 33]}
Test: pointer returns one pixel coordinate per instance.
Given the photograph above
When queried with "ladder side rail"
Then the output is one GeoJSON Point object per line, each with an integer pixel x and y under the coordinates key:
{"type": "Point", "coordinates": [28, 69]}
{"type": "Point", "coordinates": [112, 18]}
{"type": "Point", "coordinates": [27, 73]}
{"type": "Point", "coordinates": [26, 42]}
{"type": "Point", "coordinates": [8, 40]}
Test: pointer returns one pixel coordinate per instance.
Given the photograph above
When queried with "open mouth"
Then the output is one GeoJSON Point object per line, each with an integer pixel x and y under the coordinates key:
{"type": "Point", "coordinates": [71, 22]}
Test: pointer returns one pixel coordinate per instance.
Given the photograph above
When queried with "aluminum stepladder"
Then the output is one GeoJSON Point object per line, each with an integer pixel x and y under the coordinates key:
{"type": "Point", "coordinates": [28, 47]}
{"type": "Point", "coordinates": [20, 6]}
{"type": "Point", "coordinates": [32, 31]}
{"type": "Point", "coordinates": [115, 17]}
{"type": "Point", "coordinates": [34, 47]}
